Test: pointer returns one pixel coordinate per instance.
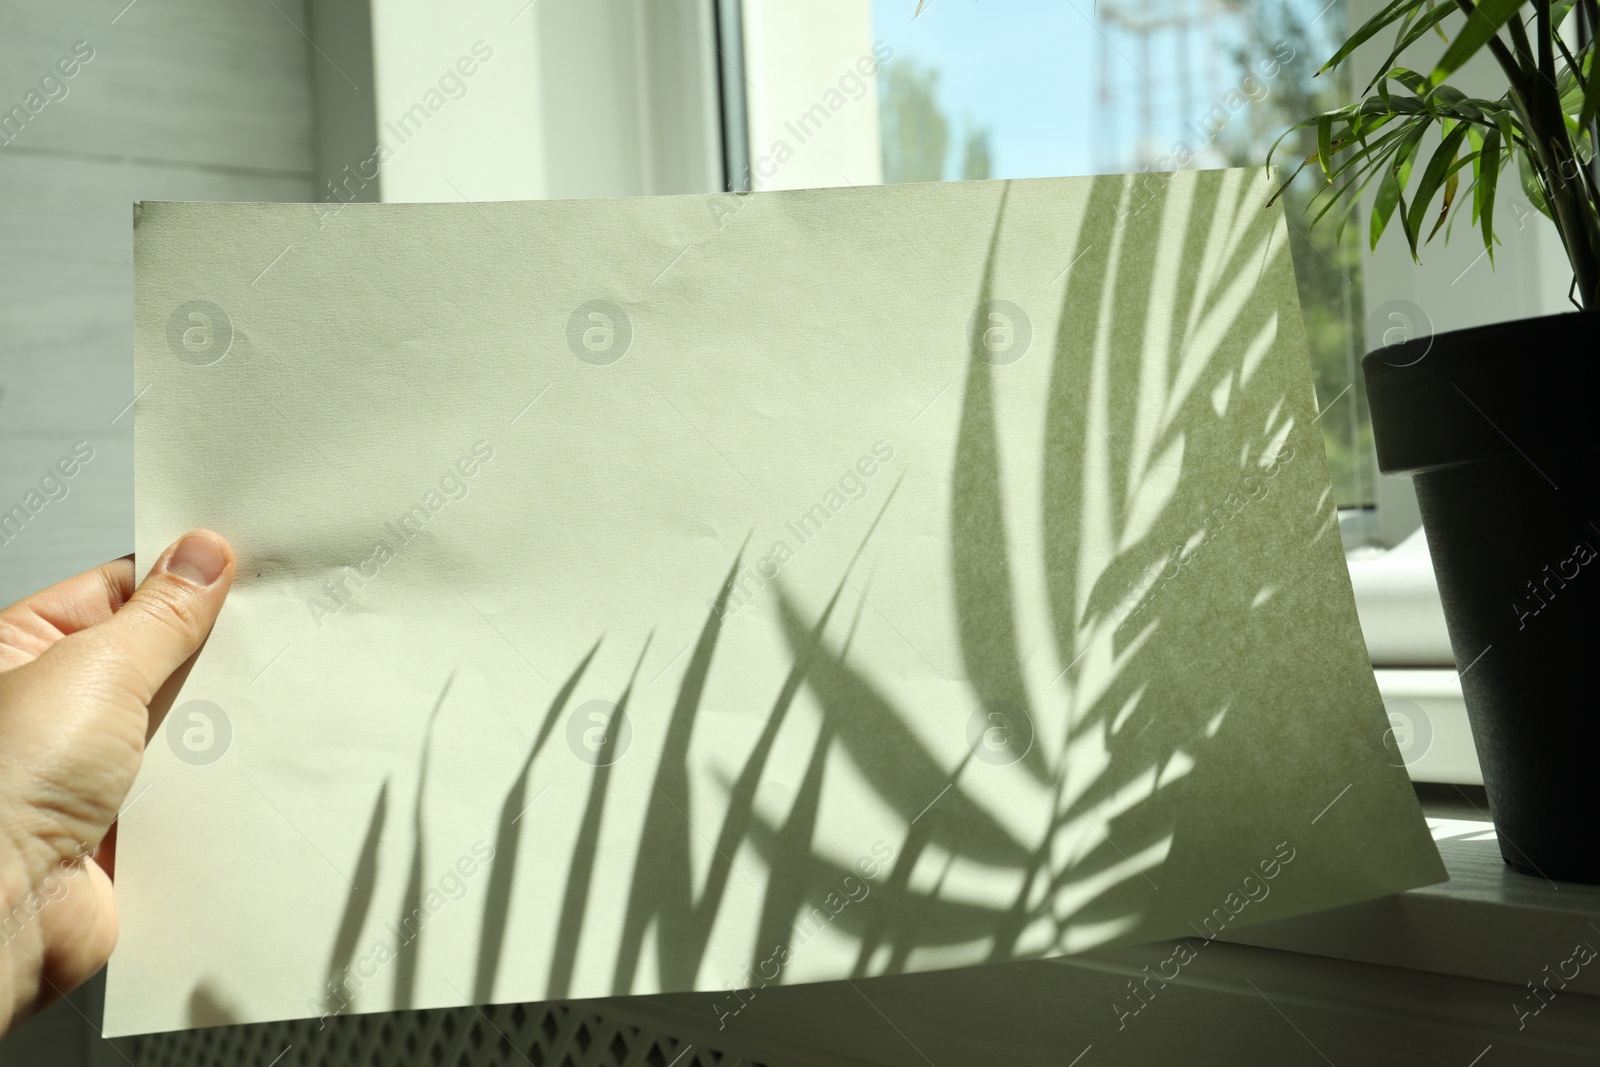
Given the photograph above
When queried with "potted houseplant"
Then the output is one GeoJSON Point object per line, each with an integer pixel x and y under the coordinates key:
{"type": "Point", "coordinates": [1495, 424]}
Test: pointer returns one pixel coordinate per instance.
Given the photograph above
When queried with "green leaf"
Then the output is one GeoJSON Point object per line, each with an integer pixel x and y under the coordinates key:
{"type": "Point", "coordinates": [1475, 137]}
{"type": "Point", "coordinates": [1591, 101]}
{"type": "Point", "coordinates": [1363, 128]}
{"type": "Point", "coordinates": [1450, 185]}
{"type": "Point", "coordinates": [1506, 121]}
{"type": "Point", "coordinates": [1348, 195]}
{"type": "Point", "coordinates": [1383, 206]}
{"type": "Point", "coordinates": [1369, 29]}
{"type": "Point", "coordinates": [1481, 25]}
{"type": "Point", "coordinates": [1368, 152]}
{"type": "Point", "coordinates": [1395, 176]}
{"type": "Point", "coordinates": [1433, 176]}
{"type": "Point", "coordinates": [1488, 167]}
{"type": "Point", "coordinates": [1366, 166]}
{"type": "Point", "coordinates": [1409, 37]}
{"type": "Point", "coordinates": [1413, 81]}
{"type": "Point", "coordinates": [1531, 186]}
{"type": "Point", "coordinates": [1325, 145]}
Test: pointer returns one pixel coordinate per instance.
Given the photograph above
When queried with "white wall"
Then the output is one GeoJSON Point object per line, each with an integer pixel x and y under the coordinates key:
{"type": "Point", "coordinates": [458, 100]}
{"type": "Point", "coordinates": [567, 98]}
{"type": "Point", "coordinates": [795, 57]}
{"type": "Point", "coordinates": [181, 100]}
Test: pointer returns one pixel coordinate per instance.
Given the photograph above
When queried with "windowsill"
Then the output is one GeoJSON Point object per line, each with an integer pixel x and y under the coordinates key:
{"type": "Point", "coordinates": [1429, 717]}
{"type": "Point", "coordinates": [1488, 921]}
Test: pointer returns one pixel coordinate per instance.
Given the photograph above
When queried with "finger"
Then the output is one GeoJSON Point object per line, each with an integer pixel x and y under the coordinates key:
{"type": "Point", "coordinates": [34, 623]}
{"type": "Point", "coordinates": [164, 621]}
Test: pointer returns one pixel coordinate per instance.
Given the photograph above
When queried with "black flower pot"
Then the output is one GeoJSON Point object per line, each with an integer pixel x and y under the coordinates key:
{"type": "Point", "coordinates": [1497, 427]}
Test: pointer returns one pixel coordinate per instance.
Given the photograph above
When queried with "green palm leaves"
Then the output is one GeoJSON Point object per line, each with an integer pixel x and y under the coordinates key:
{"type": "Point", "coordinates": [1545, 122]}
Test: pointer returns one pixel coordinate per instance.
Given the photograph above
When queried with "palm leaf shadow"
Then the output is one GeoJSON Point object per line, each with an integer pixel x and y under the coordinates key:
{"type": "Point", "coordinates": [1066, 419]}
{"type": "Point", "coordinates": [1171, 699]}
{"type": "Point", "coordinates": [901, 936]}
{"type": "Point", "coordinates": [585, 850]}
{"type": "Point", "coordinates": [741, 794]}
{"type": "Point", "coordinates": [661, 888]}
{"type": "Point", "coordinates": [906, 776]}
{"type": "Point", "coordinates": [876, 735]}
{"type": "Point", "coordinates": [405, 973]}
{"type": "Point", "coordinates": [497, 895]}
{"type": "Point", "coordinates": [790, 868]}
{"type": "Point", "coordinates": [898, 767]}
{"type": "Point", "coordinates": [1136, 747]}
{"type": "Point", "coordinates": [1061, 490]}
{"type": "Point", "coordinates": [903, 913]}
{"type": "Point", "coordinates": [901, 770]}
{"type": "Point", "coordinates": [359, 901]}
{"type": "Point", "coordinates": [896, 763]}
{"type": "Point", "coordinates": [1064, 488]}
{"type": "Point", "coordinates": [980, 567]}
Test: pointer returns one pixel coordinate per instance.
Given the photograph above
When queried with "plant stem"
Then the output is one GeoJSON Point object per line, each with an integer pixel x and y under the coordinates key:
{"type": "Point", "coordinates": [1534, 98]}
{"type": "Point", "coordinates": [1520, 42]}
{"type": "Point", "coordinates": [1588, 26]}
{"type": "Point", "coordinates": [1547, 33]}
{"type": "Point", "coordinates": [1508, 62]}
{"type": "Point", "coordinates": [1565, 188]}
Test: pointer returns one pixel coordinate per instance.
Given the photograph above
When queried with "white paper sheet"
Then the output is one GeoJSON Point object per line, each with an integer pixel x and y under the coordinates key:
{"type": "Point", "coordinates": [961, 557]}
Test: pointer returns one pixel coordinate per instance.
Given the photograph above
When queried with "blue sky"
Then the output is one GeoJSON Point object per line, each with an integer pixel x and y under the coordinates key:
{"type": "Point", "coordinates": [1030, 71]}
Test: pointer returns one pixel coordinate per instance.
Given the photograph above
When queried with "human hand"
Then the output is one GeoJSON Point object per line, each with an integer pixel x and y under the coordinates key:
{"type": "Point", "coordinates": [80, 663]}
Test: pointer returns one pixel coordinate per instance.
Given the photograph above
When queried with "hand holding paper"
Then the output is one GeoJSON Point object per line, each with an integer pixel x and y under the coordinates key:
{"type": "Point", "coordinates": [80, 663]}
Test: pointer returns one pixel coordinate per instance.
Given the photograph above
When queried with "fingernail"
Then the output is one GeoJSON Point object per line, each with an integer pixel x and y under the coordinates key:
{"type": "Point", "coordinates": [197, 558]}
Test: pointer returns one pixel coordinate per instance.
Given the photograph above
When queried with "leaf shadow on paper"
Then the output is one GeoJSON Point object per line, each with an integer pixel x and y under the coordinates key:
{"type": "Point", "coordinates": [359, 903]}
{"type": "Point", "coordinates": [1131, 462]}
{"type": "Point", "coordinates": [411, 905]}
{"type": "Point", "coordinates": [507, 843]}
{"type": "Point", "coordinates": [580, 871]}
{"type": "Point", "coordinates": [1129, 508]}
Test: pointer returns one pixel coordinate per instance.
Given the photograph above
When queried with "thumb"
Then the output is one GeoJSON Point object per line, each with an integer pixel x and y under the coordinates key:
{"type": "Point", "coordinates": [76, 718]}
{"type": "Point", "coordinates": [167, 618]}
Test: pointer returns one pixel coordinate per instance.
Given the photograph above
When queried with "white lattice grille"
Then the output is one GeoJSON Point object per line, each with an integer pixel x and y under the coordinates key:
{"type": "Point", "coordinates": [506, 1035]}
